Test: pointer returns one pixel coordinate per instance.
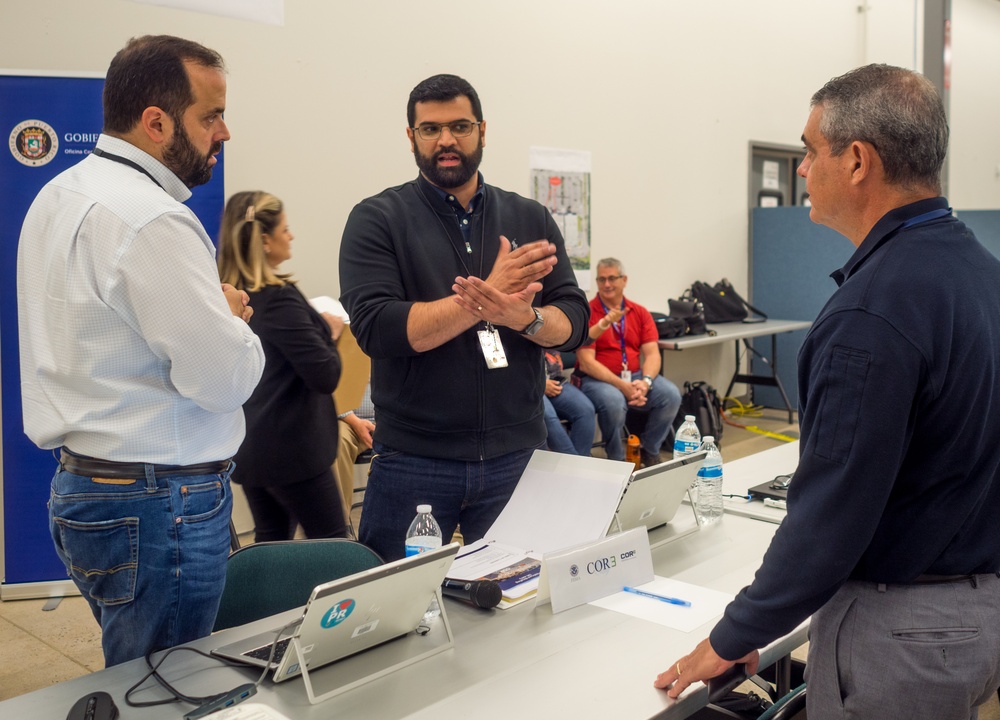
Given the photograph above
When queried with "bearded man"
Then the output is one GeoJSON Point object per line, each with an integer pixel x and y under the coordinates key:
{"type": "Point", "coordinates": [454, 288]}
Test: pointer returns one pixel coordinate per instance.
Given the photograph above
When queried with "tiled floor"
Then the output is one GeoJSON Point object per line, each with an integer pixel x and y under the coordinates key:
{"type": "Point", "coordinates": [39, 647]}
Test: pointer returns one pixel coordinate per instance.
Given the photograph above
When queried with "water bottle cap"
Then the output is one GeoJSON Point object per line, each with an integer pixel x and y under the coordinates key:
{"type": "Point", "coordinates": [423, 508]}
{"type": "Point", "coordinates": [689, 418]}
{"type": "Point", "coordinates": [708, 438]}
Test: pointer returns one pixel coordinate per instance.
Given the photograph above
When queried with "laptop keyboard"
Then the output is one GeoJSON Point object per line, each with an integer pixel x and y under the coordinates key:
{"type": "Point", "coordinates": [264, 652]}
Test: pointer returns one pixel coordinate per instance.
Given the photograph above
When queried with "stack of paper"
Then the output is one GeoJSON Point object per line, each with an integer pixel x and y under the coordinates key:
{"type": "Point", "coordinates": [560, 500]}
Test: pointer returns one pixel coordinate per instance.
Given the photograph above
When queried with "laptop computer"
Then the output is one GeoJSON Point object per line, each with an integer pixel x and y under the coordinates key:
{"type": "Point", "coordinates": [776, 488]}
{"type": "Point", "coordinates": [346, 616]}
{"type": "Point", "coordinates": [654, 493]}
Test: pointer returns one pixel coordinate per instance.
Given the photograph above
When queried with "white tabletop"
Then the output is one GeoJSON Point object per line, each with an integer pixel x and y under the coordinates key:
{"type": "Point", "coordinates": [741, 475]}
{"type": "Point", "coordinates": [524, 662]}
{"type": "Point", "coordinates": [734, 331]}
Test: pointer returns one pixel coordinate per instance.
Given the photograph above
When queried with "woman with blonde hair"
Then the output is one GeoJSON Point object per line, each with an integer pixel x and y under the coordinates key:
{"type": "Point", "coordinates": [291, 440]}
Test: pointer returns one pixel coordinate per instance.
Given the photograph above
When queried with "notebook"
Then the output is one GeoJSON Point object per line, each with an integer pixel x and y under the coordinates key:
{"type": "Point", "coordinates": [776, 488]}
{"type": "Point", "coordinates": [654, 493]}
{"type": "Point", "coordinates": [346, 616]}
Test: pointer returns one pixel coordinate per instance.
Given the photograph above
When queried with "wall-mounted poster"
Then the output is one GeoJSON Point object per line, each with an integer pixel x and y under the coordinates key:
{"type": "Point", "coordinates": [560, 180]}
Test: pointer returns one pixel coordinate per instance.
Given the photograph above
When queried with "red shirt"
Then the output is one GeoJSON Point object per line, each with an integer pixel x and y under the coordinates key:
{"type": "Point", "coordinates": [639, 330]}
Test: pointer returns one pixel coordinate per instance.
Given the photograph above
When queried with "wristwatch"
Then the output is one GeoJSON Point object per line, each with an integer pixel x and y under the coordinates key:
{"type": "Point", "coordinates": [648, 380]}
{"type": "Point", "coordinates": [535, 325]}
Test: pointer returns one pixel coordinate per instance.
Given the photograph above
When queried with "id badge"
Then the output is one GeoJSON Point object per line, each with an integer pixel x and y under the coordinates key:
{"type": "Point", "coordinates": [626, 373]}
{"type": "Point", "coordinates": [493, 351]}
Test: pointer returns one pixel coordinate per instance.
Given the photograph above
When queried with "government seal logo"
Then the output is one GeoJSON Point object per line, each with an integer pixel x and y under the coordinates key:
{"type": "Point", "coordinates": [33, 143]}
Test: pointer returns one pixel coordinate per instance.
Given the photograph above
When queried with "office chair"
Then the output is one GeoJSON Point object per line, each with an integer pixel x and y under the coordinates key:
{"type": "Point", "coordinates": [788, 706]}
{"type": "Point", "coordinates": [270, 577]}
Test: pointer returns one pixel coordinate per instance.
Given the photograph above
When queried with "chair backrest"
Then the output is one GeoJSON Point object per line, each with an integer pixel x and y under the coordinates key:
{"type": "Point", "coordinates": [270, 577]}
{"type": "Point", "coordinates": [788, 706]}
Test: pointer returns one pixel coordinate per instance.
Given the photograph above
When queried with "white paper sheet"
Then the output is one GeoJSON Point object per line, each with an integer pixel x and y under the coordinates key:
{"type": "Point", "coordinates": [325, 303]}
{"type": "Point", "coordinates": [706, 604]}
{"type": "Point", "coordinates": [561, 501]}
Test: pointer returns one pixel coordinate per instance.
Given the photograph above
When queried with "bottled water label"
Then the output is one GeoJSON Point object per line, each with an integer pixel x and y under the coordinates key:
{"type": "Point", "coordinates": [685, 447]}
{"type": "Point", "coordinates": [421, 543]}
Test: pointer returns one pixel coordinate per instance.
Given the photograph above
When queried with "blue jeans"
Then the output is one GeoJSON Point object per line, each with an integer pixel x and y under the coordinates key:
{"type": "Point", "coordinates": [149, 555]}
{"type": "Point", "coordinates": [572, 406]}
{"type": "Point", "coordinates": [662, 403]}
{"type": "Point", "coordinates": [468, 492]}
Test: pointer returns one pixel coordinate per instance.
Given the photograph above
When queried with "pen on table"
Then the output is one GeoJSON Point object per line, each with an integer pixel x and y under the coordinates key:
{"type": "Point", "coordinates": [654, 596]}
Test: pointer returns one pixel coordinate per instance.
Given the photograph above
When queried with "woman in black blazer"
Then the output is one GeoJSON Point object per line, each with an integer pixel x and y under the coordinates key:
{"type": "Point", "coordinates": [284, 464]}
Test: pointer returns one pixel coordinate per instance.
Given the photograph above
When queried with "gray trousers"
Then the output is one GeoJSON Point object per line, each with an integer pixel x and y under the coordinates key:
{"type": "Point", "coordinates": [905, 652]}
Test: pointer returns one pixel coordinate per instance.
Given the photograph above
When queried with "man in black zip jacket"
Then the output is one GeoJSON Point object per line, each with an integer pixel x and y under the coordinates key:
{"type": "Point", "coordinates": [891, 541]}
{"type": "Point", "coordinates": [454, 287]}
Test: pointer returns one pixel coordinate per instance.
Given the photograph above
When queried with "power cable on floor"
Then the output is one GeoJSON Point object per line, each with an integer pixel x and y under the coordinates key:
{"type": "Point", "coordinates": [750, 411]}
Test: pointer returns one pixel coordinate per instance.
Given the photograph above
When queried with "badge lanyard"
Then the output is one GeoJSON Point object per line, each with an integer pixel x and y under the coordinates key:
{"type": "Point", "coordinates": [619, 330]}
{"type": "Point", "coordinates": [489, 339]}
{"type": "Point", "coordinates": [926, 217]}
{"type": "Point", "coordinates": [125, 161]}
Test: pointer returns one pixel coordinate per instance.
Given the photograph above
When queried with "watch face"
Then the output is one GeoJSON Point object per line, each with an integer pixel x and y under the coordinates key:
{"type": "Point", "coordinates": [535, 326]}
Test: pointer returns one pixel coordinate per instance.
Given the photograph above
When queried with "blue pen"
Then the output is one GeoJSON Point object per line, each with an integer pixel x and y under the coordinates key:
{"type": "Point", "coordinates": [654, 596]}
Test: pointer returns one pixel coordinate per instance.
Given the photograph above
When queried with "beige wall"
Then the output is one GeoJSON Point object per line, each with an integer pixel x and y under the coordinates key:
{"type": "Point", "coordinates": [666, 95]}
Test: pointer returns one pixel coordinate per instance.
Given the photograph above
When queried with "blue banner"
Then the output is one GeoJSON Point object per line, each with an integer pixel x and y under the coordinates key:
{"type": "Point", "coordinates": [51, 123]}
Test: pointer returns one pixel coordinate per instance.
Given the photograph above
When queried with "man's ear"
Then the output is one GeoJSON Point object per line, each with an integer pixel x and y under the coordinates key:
{"type": "Point", "coordinates": [864, 161]}
{"type": "Point", "coordinates": [157, 125]}
{"type": "Point", "coordinates": [413, 142]}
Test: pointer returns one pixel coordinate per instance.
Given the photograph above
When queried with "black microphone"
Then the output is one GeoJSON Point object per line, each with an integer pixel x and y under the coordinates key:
{"type": "Point", "coordinates": [484, 594]}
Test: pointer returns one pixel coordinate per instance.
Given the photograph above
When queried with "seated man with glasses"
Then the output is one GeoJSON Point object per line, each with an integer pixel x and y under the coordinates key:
{"type": "Point", "coordinates": [621, 368]}
{"type": "Point", "coordinates": [454, 288]}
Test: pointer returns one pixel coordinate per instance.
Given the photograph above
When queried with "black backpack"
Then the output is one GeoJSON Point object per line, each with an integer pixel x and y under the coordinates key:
{"type": "Point", "coordinates": [701, 400]}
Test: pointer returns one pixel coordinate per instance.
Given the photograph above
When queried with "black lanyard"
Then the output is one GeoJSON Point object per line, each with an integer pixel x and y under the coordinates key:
{"type": "Point", "coordinates": [125, 161]}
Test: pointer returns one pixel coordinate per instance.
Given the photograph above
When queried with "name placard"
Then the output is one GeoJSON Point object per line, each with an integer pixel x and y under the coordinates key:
{"type": "Point", "coordinates": [583, 573]}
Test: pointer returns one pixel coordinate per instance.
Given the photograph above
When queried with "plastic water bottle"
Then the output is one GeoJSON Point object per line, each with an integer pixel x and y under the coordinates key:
{"type": "Point", "coordinates": [424, 534]}
{"type": "Point", "coordinates": [709, 502]}
{"type": "Point", "coordinates": [687, 439]}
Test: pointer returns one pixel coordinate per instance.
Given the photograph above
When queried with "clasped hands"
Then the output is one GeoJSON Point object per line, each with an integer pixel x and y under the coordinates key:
{"type": "Point", "coordinates": [504, 297]}
{"type": "Point", "coordinates": [239, 302]}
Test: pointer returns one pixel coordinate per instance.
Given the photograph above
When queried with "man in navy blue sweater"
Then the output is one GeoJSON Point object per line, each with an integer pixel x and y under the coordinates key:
{"type": "Point", "coordinates": [891, 542]}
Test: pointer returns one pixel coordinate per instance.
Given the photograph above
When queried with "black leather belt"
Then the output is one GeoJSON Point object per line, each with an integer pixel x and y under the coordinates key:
{"type": "Point", "coordinates": [942, 579]}
{"type": "Point", "coordinates": [94, 467]}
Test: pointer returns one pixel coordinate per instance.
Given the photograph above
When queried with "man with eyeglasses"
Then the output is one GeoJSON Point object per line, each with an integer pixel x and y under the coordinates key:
{"type": "Point", "coordinates": [454, 287]}
{"type": "Point", "coordinates": [891, 543]}
{"type": "Point", "coordinates": [621, 367]}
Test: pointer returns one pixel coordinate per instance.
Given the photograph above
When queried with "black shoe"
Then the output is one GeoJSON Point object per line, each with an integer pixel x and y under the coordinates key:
{"type": "Point", "coordinates": [648, 459]}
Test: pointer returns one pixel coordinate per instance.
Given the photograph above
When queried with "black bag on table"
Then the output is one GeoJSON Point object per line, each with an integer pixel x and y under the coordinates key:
{"type": "Point", "coordinates": [692, 312]}
{"type": "Point", "coordinates": [668, 326]}
{"type": "Point", "coordinates": [723, 304]}
{"type": "Point", "coordinates": [701, 400]}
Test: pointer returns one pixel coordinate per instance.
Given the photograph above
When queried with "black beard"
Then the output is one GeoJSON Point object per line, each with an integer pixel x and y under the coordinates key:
{"type": "Point", "coordinates": [183, 159]}
{"type": "Point", "coordinates": [449, 178]}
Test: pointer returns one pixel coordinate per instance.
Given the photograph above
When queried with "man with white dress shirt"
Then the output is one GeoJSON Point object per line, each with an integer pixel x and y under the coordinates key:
{"type": "Point", "coordinates": [133, 364]}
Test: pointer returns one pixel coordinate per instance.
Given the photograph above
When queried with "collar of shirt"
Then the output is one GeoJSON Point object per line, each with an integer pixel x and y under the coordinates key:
{"type": "Point", "coordinates": [455, 205]}
{"type": "Point", "coordinates": [885, 229]}
{"type": "Point", "coordinates": [162, 174]}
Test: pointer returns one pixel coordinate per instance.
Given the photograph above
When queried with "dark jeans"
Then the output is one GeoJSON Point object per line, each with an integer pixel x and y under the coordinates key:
{"type": "Point", "coordinates": [468, 492]}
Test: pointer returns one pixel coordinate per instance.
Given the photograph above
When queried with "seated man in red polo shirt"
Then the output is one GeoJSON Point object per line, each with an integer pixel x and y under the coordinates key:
{"type": "Point", "coordinates": [621, 367]}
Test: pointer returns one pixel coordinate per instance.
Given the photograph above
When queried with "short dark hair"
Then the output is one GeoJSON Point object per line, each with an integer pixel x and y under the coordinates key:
{"type": "Point", "coordinates": [442, 88]}
{"type": "Point", "coordinates": [149, 71]}
{"type": "Point", "coordinates": [898, 111]}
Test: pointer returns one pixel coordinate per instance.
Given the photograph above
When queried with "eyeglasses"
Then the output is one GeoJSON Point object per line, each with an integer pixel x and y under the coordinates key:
{"type": "Point", "coordinates": [781, 482]}
{"type": "Point", "coordinates": [458, 129]}
{"type": "Point", "coordinates": [608, 279]}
